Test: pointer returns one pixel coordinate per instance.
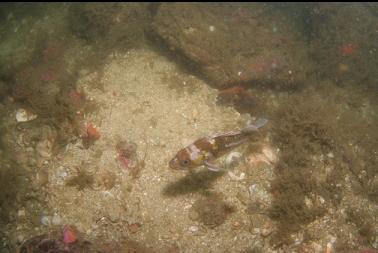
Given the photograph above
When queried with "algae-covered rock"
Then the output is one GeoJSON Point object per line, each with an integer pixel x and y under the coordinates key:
{"type": "Point", "coordinates": [122, 23]}
{"type": "Point", "coordinates": [345, 47]}
{"type": "Point", "coordinates": [233, 43]}
{"type": "Point", "coordinates": [24, 31]}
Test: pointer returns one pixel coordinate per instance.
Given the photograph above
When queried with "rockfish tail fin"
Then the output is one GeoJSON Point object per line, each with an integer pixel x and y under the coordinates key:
{"type": "Point", "coordinates": [254, 126]}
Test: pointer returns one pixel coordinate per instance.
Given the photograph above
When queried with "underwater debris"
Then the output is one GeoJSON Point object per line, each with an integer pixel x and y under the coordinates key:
{"type": "Point", "coordinates": [82, 180]}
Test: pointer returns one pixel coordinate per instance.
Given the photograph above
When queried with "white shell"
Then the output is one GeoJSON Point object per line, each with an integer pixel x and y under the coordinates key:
{"type": "Point", "coordinates": [23, 115]}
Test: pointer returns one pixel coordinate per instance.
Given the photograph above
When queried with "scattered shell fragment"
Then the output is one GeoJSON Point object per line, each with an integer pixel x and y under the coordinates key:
{"type": "Point", "coordinates": [236, 178]}
{"type": "Point", "coordinates": [233, 158]}
{"type": "Point", "coordinates": [330, 155]}
{"type": "Point", "coordinates": [46, 220]}
{"type": "Point", "coordinates": [22, 115]}
{"type": "Point", "coordinates": [193, 229]}
{"type": "Point", "coordinates": [43, 148]}
{"type": "Point", "coordinates": [56, 220]}
{"type": "Point", "coordinates": [270, 154]}
{"type": "Point", "coordinates": [211, 28]}
{"type": "Point", "coordinates": [258, 192]}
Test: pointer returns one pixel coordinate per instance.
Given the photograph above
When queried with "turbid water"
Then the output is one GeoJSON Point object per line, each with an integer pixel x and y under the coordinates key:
{"type": "Point", "coordinates": [97, 98]}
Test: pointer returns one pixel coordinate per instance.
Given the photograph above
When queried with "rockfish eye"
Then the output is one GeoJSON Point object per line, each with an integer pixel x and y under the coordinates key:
{"type": "Point", "coordinates": [185, 162]}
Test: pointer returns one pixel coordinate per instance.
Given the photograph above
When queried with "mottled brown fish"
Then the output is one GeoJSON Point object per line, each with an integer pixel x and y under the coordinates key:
{"type": "Point", "coordinates": [205, 150]}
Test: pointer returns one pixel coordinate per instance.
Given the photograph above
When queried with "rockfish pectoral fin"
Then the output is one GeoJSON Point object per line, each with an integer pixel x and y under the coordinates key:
{"type": "Point", "coordinates": [254, 126]}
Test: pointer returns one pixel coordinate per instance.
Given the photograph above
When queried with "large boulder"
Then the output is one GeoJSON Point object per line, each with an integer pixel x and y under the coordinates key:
{"type": "Point", "coordinates": [233, 43]}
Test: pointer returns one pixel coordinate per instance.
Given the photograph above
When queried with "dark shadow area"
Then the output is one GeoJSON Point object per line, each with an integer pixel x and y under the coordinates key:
{"type": "Point", "coordinates": [211, 209]}
{"type": "Point", "coordinates": [184, 63]}
{"type": "Point", "coordinates": [192, 182]}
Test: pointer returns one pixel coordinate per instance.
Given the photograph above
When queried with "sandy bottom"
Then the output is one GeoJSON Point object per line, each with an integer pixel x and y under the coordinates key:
{"type": "Point", "coordinates": [138, 104]}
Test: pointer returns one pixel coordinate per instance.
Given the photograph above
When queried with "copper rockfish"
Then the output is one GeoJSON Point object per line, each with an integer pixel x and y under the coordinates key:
{"type": "Point", "coordinates": [205, 150]}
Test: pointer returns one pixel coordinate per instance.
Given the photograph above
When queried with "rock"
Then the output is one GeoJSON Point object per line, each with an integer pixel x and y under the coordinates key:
{"type": "Point", "coordinates": [124, 23]}
{"type": "Point", "coordinates": [42, 177]}
{"type": "Point", "coordinates": [25, 35]}
{"type": "Point", "coordinates": [232, 43]}
{"type": "Point", "coordinates": [344, 47]}
{"type": "Point", "coordinates": [266, 230]}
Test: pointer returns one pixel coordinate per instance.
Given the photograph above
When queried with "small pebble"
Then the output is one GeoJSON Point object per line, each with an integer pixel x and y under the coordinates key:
{"type": "Point", "coordinates": [20, 238]}
{"type": "Point", "coordinates": [212, 28]}
{"type": "Point", "coordinates": [134, 227]}
{"type": "Point", "coordinates": [236, 225]}
{"type": "Point", "coordinates": [253, 189]}
{"type": "Point", "coordinates": [21, 213]}
{"type": "Point", "coordinates": [266, 231]}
